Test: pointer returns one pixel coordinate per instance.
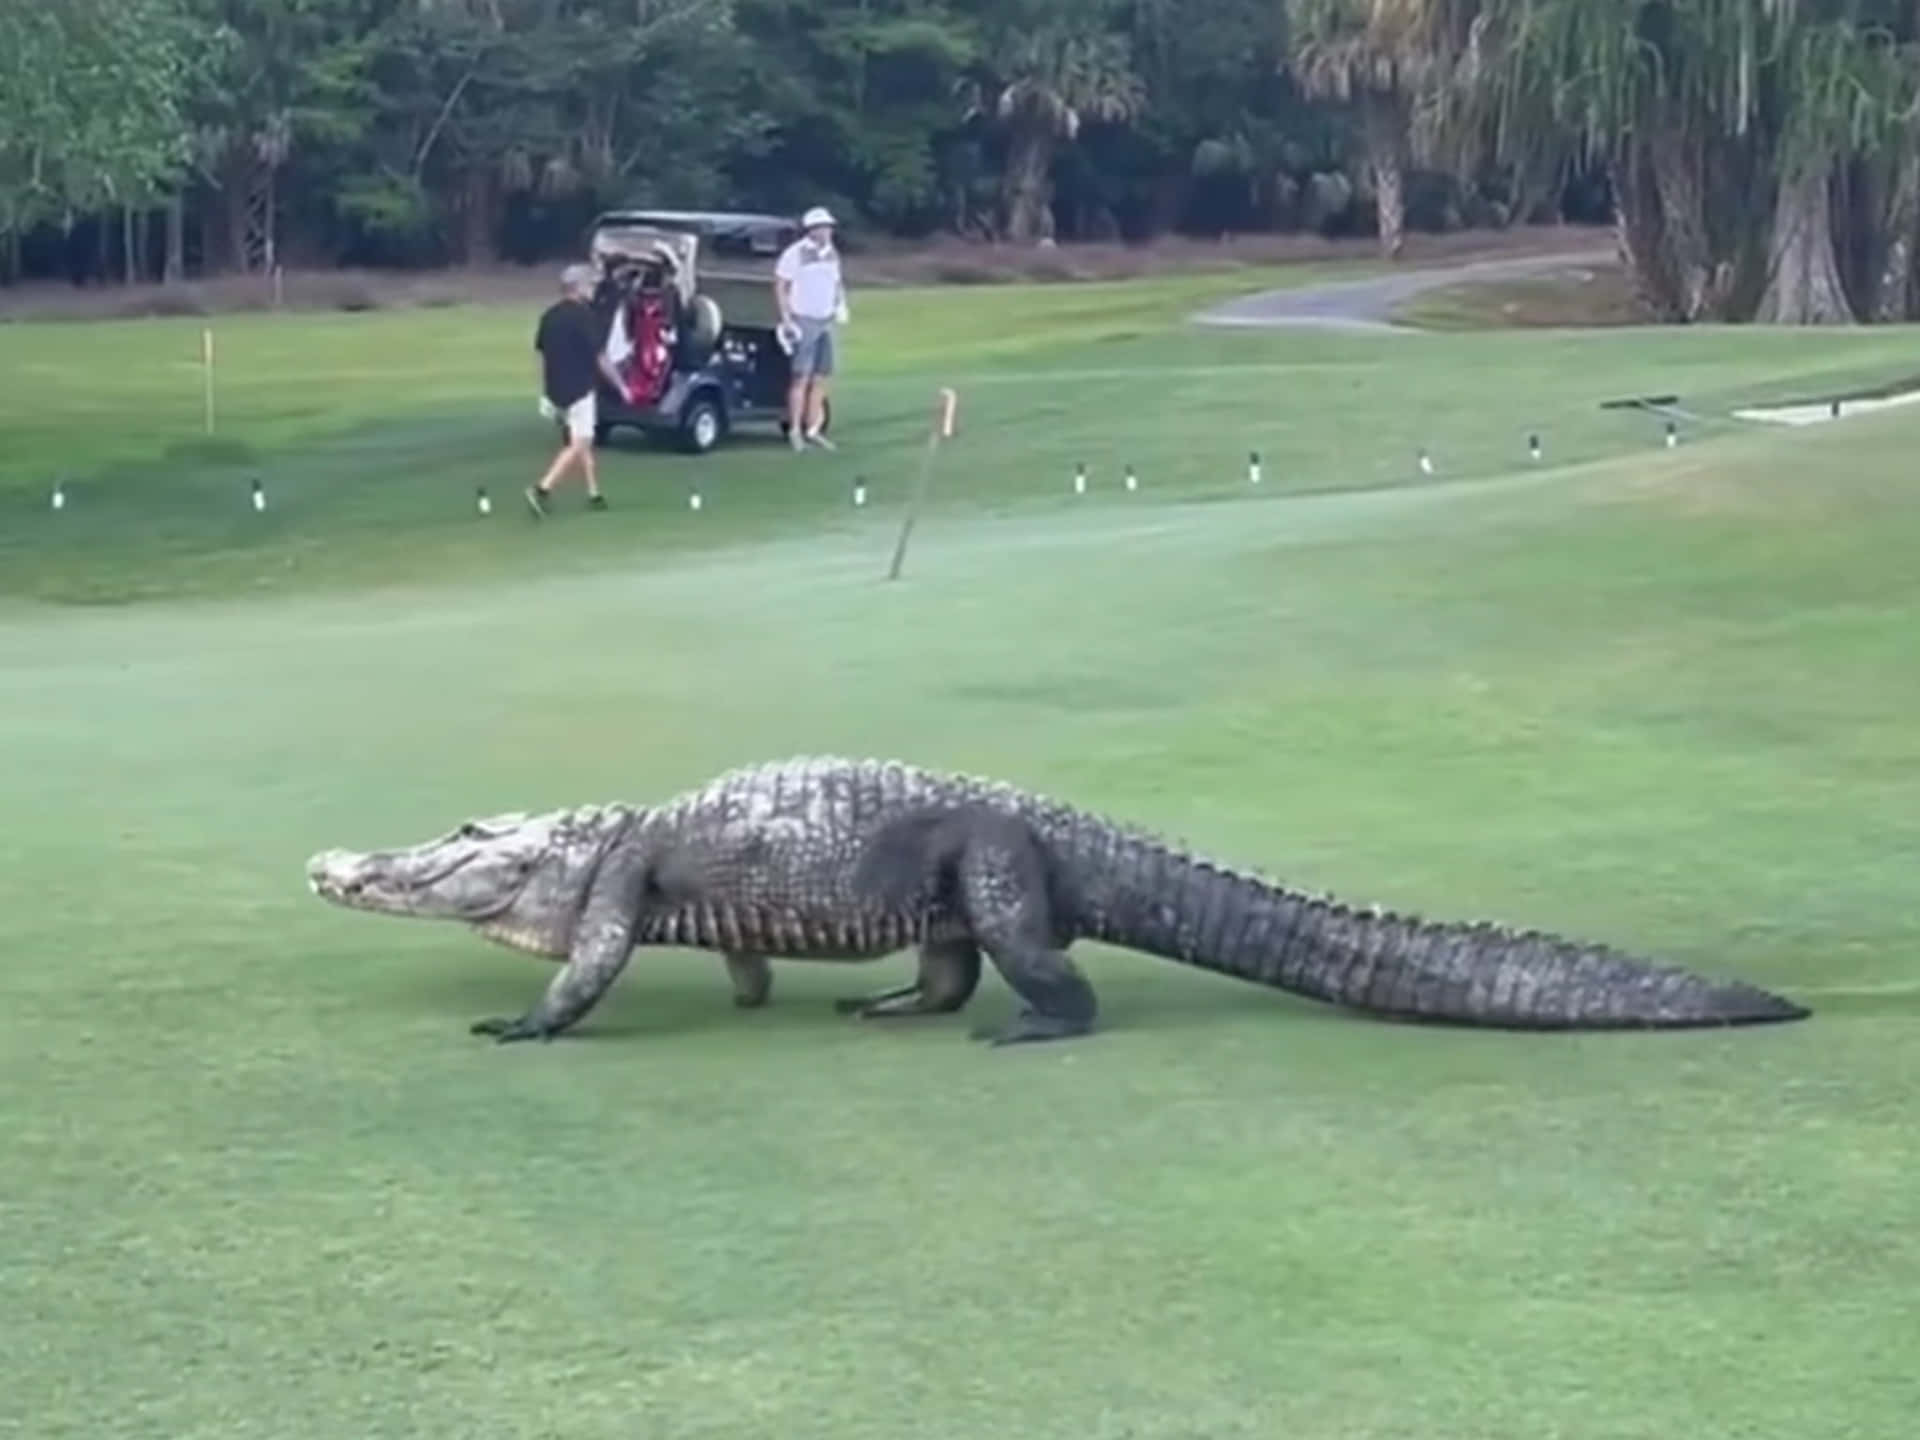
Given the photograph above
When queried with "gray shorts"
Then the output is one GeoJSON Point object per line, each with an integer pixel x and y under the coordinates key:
{"type": "Point", "coordinates": [813, 351]}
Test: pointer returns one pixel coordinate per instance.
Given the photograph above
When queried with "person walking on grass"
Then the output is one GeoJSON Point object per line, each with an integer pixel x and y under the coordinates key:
{"type": "Point", "coordinates": [571, 361]}
{"type": "Point", "coordinates": [813, 301]}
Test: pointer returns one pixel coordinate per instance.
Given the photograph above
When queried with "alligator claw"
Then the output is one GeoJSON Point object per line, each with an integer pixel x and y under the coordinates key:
{"type": "Point", "coordinates": [505, 1029]}
{"type": "Point", "coordinates": [1028, 1028]}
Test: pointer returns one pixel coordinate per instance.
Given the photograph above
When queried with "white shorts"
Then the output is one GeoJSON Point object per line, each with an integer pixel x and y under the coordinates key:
{"type": "Point", "coordinates": [581, 417]}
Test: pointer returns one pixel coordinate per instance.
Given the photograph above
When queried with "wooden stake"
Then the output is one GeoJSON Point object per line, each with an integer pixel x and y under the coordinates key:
{"type": "Point", "coordinates": [206, 365]}
{"type": "Point", "coordinates": [941, 429]}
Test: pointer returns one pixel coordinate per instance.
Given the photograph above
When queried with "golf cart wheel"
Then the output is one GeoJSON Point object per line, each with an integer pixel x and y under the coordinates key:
{"type": "Point", "coordinates": [600, 433]}
{"type": "Point", "coordinates": [702, 425]}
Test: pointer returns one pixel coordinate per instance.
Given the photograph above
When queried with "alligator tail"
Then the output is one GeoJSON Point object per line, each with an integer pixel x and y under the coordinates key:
{"type": "Point", "coordinates": [1189, 910]}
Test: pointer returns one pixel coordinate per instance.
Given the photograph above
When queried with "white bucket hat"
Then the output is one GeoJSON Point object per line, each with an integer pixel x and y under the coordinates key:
{"type": "Point", "coordinates": [818, 215]}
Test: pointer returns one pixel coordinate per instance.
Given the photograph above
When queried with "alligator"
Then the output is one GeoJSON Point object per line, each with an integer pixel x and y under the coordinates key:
{"type": "Point", "coordinates": [831, 859]}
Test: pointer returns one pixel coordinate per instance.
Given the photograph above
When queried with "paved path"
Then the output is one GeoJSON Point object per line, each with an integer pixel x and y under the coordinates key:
{"type": "Point", "coordinates": [1367, 304]}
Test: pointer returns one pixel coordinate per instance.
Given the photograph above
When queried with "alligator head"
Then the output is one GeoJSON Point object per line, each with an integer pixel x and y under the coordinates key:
{"type": "Point", "coordinates": [518, 879]}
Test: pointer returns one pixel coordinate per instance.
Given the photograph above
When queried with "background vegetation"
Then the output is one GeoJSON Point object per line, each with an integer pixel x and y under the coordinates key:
{"type": "Point", "coordinates": [1760, 159]}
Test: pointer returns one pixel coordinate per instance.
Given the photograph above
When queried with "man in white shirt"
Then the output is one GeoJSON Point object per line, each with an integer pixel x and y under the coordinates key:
{"type": "Point", "coordinates": [813, 300]}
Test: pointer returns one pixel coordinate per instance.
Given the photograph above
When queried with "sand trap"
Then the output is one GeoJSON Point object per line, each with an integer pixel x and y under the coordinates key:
{"type": "Point", "coordinates": [1816, 411]}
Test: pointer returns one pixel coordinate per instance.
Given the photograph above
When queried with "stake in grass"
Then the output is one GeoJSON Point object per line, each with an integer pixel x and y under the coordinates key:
{"type": "Point", "coordinates": [206, 368]}
{"type": "Point", "coordinates": [941, 429]}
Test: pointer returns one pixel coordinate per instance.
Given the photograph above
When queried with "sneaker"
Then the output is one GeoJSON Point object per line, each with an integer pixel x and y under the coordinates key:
{"type": "Point", "coordinates": [795, 438]}
{"type": "Point", "coordinates": [535, 501]}
{"type": "Point", "coordinates": [814, 437]}
{"type": "Point", "coordinates": [597, 502]}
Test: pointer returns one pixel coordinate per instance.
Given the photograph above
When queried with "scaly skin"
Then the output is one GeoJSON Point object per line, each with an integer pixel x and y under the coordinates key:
{"type": "Point", "coordinates": [850, 860]}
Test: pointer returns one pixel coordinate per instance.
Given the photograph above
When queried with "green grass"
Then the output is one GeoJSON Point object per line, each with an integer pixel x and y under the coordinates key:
{"type": "Point", "coordinates": [259, 1180]}
{"type": "Point", "coordinates": [1578, 296]}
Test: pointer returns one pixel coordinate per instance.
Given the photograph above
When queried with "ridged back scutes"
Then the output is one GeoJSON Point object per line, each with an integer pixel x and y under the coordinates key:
{"type": "Point", "coordinates": [1391, 962]}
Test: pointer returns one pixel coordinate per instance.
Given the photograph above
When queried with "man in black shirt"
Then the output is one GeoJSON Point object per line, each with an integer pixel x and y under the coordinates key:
{"type": "Point", "coordinates": [571, 360]}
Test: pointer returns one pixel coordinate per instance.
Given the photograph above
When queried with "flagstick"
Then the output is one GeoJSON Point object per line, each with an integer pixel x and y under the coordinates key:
{"type": "Point", "coordinates": [940, 430]}
{"type": "Point", "coordinates": [206, 366]}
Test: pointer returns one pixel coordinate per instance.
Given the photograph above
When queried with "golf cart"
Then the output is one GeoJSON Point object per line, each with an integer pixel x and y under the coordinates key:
{"type": "Point", "coordinates": [689, 318]}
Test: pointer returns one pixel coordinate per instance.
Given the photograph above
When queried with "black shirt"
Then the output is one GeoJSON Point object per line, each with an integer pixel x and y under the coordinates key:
{"type": "Point", "coordinates": [569, 343]}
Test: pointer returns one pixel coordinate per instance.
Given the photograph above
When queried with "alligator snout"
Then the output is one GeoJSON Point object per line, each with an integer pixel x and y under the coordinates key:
{"type": "Point", "coordinates": [333, 874]}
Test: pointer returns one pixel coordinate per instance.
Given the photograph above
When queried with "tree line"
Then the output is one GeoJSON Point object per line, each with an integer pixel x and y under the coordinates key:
{"type": "Point", "coordinates": [1758, 159]}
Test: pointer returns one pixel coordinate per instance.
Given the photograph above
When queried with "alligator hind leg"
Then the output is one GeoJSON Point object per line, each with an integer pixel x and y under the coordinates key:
{"type": "Point", "coordinates": [752, 979]}
{"type": "Point", "coordinates": [1004, 895]}
{"type": "Point", "coordinates": [949, 972]}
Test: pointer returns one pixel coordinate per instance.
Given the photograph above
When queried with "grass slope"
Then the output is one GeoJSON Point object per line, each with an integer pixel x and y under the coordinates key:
{"type": "Point", "coordinates": [260, 1181]}
{"type": "Point", "coordinates": [370, 433]}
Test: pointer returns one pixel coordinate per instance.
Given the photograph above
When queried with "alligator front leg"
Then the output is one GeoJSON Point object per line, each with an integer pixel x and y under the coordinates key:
{"type": "Point", "coordinates": [752, 979]}
{"type": "Point", "coordinates": [602, 941]}
{"type": "Point", "coordinates": [949, 974]}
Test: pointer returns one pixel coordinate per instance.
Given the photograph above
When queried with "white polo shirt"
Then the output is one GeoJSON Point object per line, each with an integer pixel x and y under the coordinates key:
{"type": "Point", "coordinates": [813, 273]}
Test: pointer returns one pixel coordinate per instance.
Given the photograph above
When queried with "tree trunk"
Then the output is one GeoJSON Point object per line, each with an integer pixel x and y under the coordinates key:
{"type": "Point", "coordinates": [477, 245]}
{"type": "Point", "coordinates": [1531, 187]}
{"type": "Point", "coordinates": [248, 185]}
{"type": "Point", "coordinates": [1386, 151]}
{"type": "Point", "coordinates": [176, 262]}
{"type": "Point", "coordinates": [1894, 294]}
{"type": "Point", "coordinates": [1804, 287]}
{"type": "Point", "coordinates": [129, 247]}
{"type": "Point", "coordinates": [1688, 258]}
{"type": "Point", "coordinates": [1637, 236]}
{"type": "Point", "coordinates": [235, 183]}
{"type": "Point", "coordinates": [1028, 187]}
{"type": "Point", "coordinates": [1169, 203]}
{"type": "Point", "coordinates": [264, 215]}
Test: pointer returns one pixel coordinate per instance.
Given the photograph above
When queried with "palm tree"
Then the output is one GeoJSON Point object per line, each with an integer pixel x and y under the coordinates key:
{"type": "Point", "coordinates": [1041, 85]}
{"type": "Point", "coordinates": [1384, 57]}
{"type": "Point", "coordinates": [1725, 125]}
{"type": "Point", "coordinates": [1850, 81]}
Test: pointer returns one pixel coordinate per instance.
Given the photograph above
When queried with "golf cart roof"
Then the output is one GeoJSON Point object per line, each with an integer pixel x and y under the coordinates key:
{"type": "Point", "coordinates": [722, 232]}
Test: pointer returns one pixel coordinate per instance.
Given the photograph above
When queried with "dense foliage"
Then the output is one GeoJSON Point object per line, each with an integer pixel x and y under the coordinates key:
{"type": "Point", "coordinates": [1760, 158]}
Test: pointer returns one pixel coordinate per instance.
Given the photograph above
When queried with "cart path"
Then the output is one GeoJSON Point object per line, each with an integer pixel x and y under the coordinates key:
{"type": "Point", "coordinates": [1368, 304]}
